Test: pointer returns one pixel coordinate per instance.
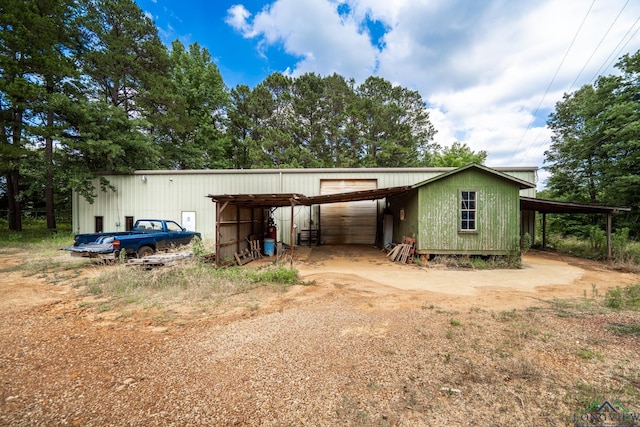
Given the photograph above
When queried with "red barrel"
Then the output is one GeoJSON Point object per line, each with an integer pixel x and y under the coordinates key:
{"type": "Point", "coordinates": [271, 232]}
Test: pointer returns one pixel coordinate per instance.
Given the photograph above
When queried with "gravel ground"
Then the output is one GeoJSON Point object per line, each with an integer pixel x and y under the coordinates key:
{"type": "Point", "coordinates": [335, 357]}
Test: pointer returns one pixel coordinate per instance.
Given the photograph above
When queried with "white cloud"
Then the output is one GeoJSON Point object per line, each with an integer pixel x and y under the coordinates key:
{"type": "Point", "coordinates": [484, 67]}
{"type": "Point", "coordinates": [312, 31]}
{"type": "Point", "coordinates": [237, 17]}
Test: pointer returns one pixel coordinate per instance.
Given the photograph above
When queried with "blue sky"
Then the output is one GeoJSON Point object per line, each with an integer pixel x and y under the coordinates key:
{"type": "Point", "coordinates": [490, 71]}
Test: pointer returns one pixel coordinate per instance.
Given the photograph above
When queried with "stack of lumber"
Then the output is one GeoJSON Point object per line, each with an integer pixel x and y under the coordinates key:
{"type": "Point", "coordinates": [403, 252]}
{"type": "Point", "coordinates": [159, 260]}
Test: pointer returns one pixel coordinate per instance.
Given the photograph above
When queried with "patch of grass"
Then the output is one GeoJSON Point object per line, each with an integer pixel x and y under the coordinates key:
{"type": "Point", "coordinates": [585, 394]}
{"type": "Point", "coordinates": [625, 329]}
{"type": "Point", "coordinates": [478, 262]}
{"type": "Point", "coordinates": [589, 354]}
{"type": "Point", "coordinates": [94, 289]}
{"type": "Point", "coordinates": [506, 316]}
{"type": "Point", "coordinates": [623, 298]}
{"type": "Point", "coordinates": [576, 308]}
{"type": "Point", "coordinates": [34, 231]}
{"type": "Point", "coordinates": [454, 322]}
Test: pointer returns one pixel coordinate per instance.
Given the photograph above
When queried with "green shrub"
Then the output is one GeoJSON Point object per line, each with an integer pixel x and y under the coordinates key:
{"type": "Point", "coordinates": [623, 298]}
{"type": "Point", "coordinates": [526, 243]}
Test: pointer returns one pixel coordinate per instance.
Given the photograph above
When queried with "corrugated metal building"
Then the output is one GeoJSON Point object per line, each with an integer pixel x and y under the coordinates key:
{"type": "Point", "coordinates": [182, 196]}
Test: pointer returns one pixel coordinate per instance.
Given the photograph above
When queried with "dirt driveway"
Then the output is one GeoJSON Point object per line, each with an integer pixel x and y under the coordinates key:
{"type": "Point", "coordinates": [543, 276]}
{"type": "Point", "coordinates": [365, 343]}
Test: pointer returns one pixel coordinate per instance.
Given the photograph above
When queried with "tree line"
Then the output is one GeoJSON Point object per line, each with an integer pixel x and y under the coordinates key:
{"type": "Point", "coordinates": [595, 152]}
{"type": "Point", "coordinates": [88, 87]}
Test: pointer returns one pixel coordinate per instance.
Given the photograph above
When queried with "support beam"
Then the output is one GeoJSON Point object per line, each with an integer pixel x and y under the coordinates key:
{"type": "Point", "coordinates": [291, 237]}
{"type": "Point", "coordinates": [218, 212]}
{"type": "Point", "coordinates": [609, 227]}
{"type": "Point", "coordinates": [544, 231]}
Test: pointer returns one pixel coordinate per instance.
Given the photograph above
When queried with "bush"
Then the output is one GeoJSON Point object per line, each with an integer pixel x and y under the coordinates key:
{"type": "Point", "coordinates": [623, 298]}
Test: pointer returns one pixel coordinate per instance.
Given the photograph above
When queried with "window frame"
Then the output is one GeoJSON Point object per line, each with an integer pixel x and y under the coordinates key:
{"type": "Point", "coordinates": [465, 212]}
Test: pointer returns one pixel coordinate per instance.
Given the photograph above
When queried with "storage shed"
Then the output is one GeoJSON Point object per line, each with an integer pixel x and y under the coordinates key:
{"type": "Point", "coordinates": [472, 210]}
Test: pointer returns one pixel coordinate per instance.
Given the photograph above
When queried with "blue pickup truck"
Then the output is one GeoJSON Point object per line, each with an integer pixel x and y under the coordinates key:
{"type": "Point", "coordinates": [147, 237]}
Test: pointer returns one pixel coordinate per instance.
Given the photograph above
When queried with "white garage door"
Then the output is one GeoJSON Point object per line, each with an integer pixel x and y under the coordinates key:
{"type": "Point", "coordinates": [348, 222]}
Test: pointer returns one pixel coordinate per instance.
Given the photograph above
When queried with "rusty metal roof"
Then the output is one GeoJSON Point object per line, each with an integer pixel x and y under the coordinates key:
{"type": "Point", "coordinates": [288, 199]}
{"type": "Point", "coordinates": [555, 206]}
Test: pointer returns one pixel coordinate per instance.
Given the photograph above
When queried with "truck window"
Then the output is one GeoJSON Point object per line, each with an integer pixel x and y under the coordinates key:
{"type": "Point", "coordinates": [172, 226]}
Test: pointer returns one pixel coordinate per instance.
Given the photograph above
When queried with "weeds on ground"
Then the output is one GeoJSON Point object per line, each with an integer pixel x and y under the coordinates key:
{"type": "Point", "coordinates": [625, 253]}
{"type": "Point", "coordinates": [191, 282]}
{"type": "Point", "coordinates": [478, 262]}
{"type": "Point", "coordinates": [623, 298]}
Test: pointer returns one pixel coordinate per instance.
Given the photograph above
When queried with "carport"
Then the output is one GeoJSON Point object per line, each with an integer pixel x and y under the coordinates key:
{"type": "Point", "coordinates": [557, 207]}
{"type": "Point", "coordinates": [240, 215]}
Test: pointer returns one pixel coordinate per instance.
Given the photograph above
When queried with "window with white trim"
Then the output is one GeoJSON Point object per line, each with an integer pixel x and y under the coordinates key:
{"type": "Point", "coordinates": [468, 211]}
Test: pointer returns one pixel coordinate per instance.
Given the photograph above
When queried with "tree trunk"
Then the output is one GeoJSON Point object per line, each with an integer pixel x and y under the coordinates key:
{"type": "Point", "coordinates": [15, 212]}
{"type": "Point", "coordinates": [13, 176]}
{"type": "Point", "coordinates": [48, 189]}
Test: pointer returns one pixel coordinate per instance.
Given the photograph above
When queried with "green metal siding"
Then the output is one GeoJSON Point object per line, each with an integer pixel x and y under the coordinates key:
{"type": "Point", "coordinates": [498, 216]}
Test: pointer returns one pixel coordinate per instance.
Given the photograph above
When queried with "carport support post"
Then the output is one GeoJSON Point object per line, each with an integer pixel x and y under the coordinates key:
{"type": "Point", "coordinates": [609, 226]}
{"type": "Point", "coordinates": [544, 230]}
{"type": "Point", "coordinates": [292, 231]}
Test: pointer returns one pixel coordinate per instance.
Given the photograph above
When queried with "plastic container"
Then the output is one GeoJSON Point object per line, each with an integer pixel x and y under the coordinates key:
{"type": "Point", "coordinates": [269, 246]}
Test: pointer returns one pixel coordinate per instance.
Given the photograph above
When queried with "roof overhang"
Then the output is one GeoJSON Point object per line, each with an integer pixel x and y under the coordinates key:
{"type": "Point", "coordinates": [292, 199]}
{"type": "Point", "coordinates": [555, 206]}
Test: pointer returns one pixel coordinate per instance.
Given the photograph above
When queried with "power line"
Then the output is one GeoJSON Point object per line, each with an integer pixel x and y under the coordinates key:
{"type": "Point", "coordinates": [539, 145]}
{"type": "Point", "coordinates": [599, 44]}
{"type": "Point", "coordinates": [615, 56]}
{"type": "Point", "coordinates": [552, 80]}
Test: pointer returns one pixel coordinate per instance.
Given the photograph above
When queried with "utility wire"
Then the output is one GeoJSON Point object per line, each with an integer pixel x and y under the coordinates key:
{"type": "Point", "coordinates": [539, 145]}
{"type": "Point", "coordinates": [552, 81]}
{"type": "Point", "coordinates": [615, 56]}
{"type": "Point", "coordinates": [599, 44]}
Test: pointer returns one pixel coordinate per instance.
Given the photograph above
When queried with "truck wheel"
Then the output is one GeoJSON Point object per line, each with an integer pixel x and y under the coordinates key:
{"type": "Point", "coordinates": [144, 251]}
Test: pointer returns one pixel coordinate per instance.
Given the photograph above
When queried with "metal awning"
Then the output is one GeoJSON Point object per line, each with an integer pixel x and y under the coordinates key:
{"type": "Point", "coordinates": [292, 199]}
{"type": "Point", "coordinates": [555, 206]}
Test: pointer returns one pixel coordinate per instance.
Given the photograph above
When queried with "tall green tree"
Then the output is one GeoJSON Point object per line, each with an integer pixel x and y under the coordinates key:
{"type": "Point", "coordinates": [595, 152]}
{"type": "Point", "coordinates": [38, 43]}
{"type": "Point", "coordinates": [241, 127]}
{"type": "Point", "coordinates": [193, 135]}
{"type": "Point", "coordinates": [309, 126]}
{"type": "Point", "coordinates": [395, 126]}
{"type": "Point", "coordinates": [273, 146]}
{"type": "Point", "coordinates": [126, 93]}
